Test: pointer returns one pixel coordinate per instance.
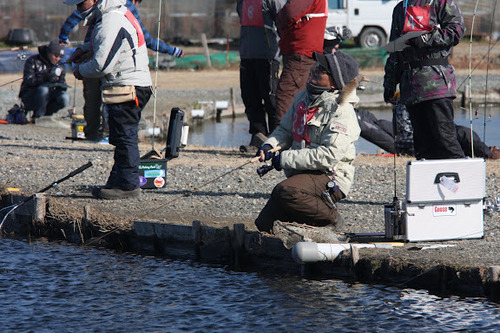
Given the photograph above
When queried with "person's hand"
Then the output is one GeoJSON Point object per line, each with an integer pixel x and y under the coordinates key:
{"type": "Point", "coordinates": [76, 72]}
{"type": "Point", "coordinates": [276, 162]}
{"type": "Point", "coordinates": [79, 56]}
{"type": "Point", "coordinates": [389, 96]}
{"type": "Point", "coordinates": [418, 42]}
{"type": "Point", "coordinates": [54, 74]}
{"type": "Point", "coordinates": [265, 153]}
{"type": "Point", "coordinates": [178, 52]}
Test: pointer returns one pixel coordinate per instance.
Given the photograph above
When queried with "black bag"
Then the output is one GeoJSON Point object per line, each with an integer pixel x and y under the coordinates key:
{"type": "Point", "coordinates": [17, 115]}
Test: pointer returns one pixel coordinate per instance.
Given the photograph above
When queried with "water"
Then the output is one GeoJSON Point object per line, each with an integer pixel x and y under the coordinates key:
{"type": "Point", "coordinates": [231, 133]}
{"type": "Point", "coordinates": [56, 287]}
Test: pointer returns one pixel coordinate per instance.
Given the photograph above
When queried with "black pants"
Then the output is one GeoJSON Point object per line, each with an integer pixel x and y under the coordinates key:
{"type": "Point", "coordinates": [123, 134]}
{"type": "Point", "coordinates": [258, 83]}
{"type": "Point", "coordinates": [434, 133]}
{"type": "Point", "coordinates": [300, 199]}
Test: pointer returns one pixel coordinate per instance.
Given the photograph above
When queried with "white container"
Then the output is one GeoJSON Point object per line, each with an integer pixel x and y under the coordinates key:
{"type": "Point", "coordinates": [444, 199]}
{"type": "Point", "coordinates": [423, 180]}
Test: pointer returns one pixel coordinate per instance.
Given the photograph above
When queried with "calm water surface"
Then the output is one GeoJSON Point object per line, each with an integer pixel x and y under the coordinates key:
{"type": "Point", "coordinates": [54, 287]}
{"type": "Point", "coordinates": [231, 133]}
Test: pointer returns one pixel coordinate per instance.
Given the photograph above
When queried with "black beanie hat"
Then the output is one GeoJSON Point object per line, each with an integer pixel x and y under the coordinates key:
{"type": "Point", "coordinates": [342, 67]}
{"type": "Point", "coordinates": [55, 47]}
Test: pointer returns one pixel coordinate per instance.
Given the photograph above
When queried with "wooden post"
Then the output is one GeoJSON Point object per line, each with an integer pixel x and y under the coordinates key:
{"type": "Point", "coordinates": [205, 47]}
{"type": "Point", "coordinates": [227, 51]}
{"type": "Point", "coordinates": [233, 102]}
{"type": "Point", "coordinates": [197, 238]}
{"type": "Point", "coordinates": [495, 283]}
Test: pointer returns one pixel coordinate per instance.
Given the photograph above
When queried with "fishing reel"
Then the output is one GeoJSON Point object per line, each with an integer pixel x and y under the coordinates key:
{"type": "Point", "coordinates": [261, 171]}
{"type": "Point", "coordinates": [491, 206]}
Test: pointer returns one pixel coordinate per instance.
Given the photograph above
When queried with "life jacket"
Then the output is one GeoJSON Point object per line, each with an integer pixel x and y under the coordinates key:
{"type": "Point", "coordinates": [252, 13]}
{"type": "Point", "coordinates": [417, 18]}
{"type": "Point", "coordinates": [301, 117]}
{"type": "Point", "coordinates": [133, 20]}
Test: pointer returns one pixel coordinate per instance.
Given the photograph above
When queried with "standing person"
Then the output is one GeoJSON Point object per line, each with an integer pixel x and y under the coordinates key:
{"type": "Point", "coordinates": [426, 79]}
{"type": "Point", "coordinates": [317, 136]}
{"type": "Point", "coordinates": [91, 86]}
{"type": "Point", "coordinates": [301, 26]}
{"type": "Point", "coordinates": [120, 60]}
{"type": "Point", "coordinates": [43, 89]}
{"type": "Point", "coordinates": [259, 65]}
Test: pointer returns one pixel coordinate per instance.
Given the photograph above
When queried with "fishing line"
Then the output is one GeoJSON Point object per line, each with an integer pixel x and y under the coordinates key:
{"type": "Point", "coordinates": [30, 75]}
{"type": "Point", "coordinates": [470, 80]}
{"type": "Point", "coordinates": [252, 160]}
{"type": "Point", "coordinates": [54, 184]}
{"type": "Point", "coordinates": [487, 71]}
{"type": "Point", "coordinates": [156, 76]}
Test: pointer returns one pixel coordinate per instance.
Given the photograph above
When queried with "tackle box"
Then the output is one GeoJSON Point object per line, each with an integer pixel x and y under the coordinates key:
{"type": "Point", "coordinates": [444, 199]}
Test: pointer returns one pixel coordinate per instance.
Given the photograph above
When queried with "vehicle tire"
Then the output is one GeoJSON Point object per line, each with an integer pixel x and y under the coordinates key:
{"type": "Point", "coordinates": [372, 38]}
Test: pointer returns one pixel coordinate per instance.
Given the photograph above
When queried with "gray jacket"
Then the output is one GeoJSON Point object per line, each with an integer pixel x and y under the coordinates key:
{"type": "Point", "coordinates": [258, 34]}
{"type": "Point", "coordinates": [331, 132]}
{"type": "Point", "coordinates": [119, 51]}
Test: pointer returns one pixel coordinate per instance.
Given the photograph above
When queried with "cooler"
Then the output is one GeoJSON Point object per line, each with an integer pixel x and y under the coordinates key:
{"type": "Point", "coordinates": [444, 199]}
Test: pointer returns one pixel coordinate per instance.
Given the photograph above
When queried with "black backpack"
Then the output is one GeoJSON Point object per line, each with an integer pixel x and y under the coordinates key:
{"type": "Point", "coordinates": [17, 115]}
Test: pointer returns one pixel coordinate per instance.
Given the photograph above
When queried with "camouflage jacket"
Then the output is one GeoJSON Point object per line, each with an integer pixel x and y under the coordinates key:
{"type": "Point", "coordinates": [416, 68]}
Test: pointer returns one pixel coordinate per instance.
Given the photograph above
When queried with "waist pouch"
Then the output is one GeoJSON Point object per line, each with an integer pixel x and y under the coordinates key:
{"type": "Point", "coordinates": [118, 94]}
{"type": "Point", "coordinates": [428, 62]}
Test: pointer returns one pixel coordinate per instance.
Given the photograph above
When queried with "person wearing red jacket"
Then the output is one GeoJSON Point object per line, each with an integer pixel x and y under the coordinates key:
{"type": "Point", "coordinates": [301, 26]}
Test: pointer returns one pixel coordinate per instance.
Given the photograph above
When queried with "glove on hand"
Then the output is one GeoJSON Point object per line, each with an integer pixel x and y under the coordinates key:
{"type": "Point", "coordinates": [54, 74]}
{"type": "Point", "coordinates": [276, 162]}
{"type": "Point", "coordinates": [389, 95]}
{"type": "Point", "coordinates": [418, 42]}
{"type": "Point", "coordinates": [266, 150]}
{"type": "Point", "coordinates": [177, 52]}
{"type": "Point", "coordinates": [76, 72]}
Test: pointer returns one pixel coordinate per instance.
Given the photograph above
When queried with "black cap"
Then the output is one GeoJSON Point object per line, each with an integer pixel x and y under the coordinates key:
{"type": "Point", "coordinates": [342, 67]}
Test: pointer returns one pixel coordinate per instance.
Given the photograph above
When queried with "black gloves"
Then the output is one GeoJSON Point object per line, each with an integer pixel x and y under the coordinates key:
{"type": "Point", "coordinates": [267, 153]}
{"type": "Point", "coordinates": [276, 162]}
{"type": "Point", "coordinates": [419, 42]}
{"type": "Point", "coordinates": [389, 95]}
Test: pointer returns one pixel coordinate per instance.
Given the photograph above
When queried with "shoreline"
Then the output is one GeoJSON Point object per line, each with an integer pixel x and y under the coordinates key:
{"type": "Point", "coordinates": [214, 223]}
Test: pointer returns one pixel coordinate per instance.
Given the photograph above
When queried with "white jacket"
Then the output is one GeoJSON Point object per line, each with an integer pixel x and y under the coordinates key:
{"type": "Point", "coordinates": [332, 133]}
{"type": "Point", "coordinates": [120, 54]}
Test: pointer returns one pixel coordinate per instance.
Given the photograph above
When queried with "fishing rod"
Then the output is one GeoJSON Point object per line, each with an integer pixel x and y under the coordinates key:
{"type": "Point", "coordinates": [252, 160]}
{"type": "Point", "coordinates": [30, 75]}
{"type": "Point", "coordinates": [54, 184]}
{"type": "Point", "coordinates": [156, 76]}
{"type": "Point", "coordinates": [470, 80]}
{"type": "Point", "coordinates": [19, 48]}
{"type": "Point", "coordinates": [487, 70]}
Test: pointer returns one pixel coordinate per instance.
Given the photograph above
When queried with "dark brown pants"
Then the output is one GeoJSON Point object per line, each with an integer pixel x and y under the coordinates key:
{"type": "Point", "coordinates": [300, 199]}
{"type": "Point", "coordinates": [296, 70]}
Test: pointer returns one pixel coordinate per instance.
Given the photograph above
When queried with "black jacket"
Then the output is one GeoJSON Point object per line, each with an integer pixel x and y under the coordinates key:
{"type": "Point", "coordinates": [39, 70]}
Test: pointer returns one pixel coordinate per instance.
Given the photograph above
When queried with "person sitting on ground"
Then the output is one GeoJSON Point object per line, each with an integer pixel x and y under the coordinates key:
{"type": "Point", "coordinates": [380, 132]}
{"type": "Point", "coordinates": [43, 89]}
{"type": "Point", "coordinates": [317, 136]}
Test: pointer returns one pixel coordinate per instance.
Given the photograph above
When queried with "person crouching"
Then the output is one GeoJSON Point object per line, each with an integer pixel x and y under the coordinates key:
{"type": "Point", "coordinates": [317, 136]}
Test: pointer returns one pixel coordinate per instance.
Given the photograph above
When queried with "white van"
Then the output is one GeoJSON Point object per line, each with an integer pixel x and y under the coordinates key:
{"type": "Point", "coordinates": [369, 20]}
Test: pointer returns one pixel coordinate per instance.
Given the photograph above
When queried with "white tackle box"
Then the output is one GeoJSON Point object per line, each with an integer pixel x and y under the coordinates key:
{"type": "Point", "coordinates": [444, 199]}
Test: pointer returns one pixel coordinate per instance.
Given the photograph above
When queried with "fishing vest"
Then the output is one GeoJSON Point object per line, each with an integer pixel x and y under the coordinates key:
{"type": "Point", "coordinates": [300, 128]}
{"type": "Point", "coordinates": [417, 18]}
{"type": "Point", "coordinates": [252, 13]}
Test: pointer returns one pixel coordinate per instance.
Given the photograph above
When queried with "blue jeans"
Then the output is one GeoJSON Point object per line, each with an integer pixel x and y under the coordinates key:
{"type": "Point", "coordinates": [123, 134]}
{"type": "Point", "coordinates": [45, 100]}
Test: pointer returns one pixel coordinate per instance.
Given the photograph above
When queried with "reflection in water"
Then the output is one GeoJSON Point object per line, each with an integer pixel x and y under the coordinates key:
{"type": "Point", "coordinates": [64, 288]}
{"type": "Point", "coordinates": [231, 133]}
